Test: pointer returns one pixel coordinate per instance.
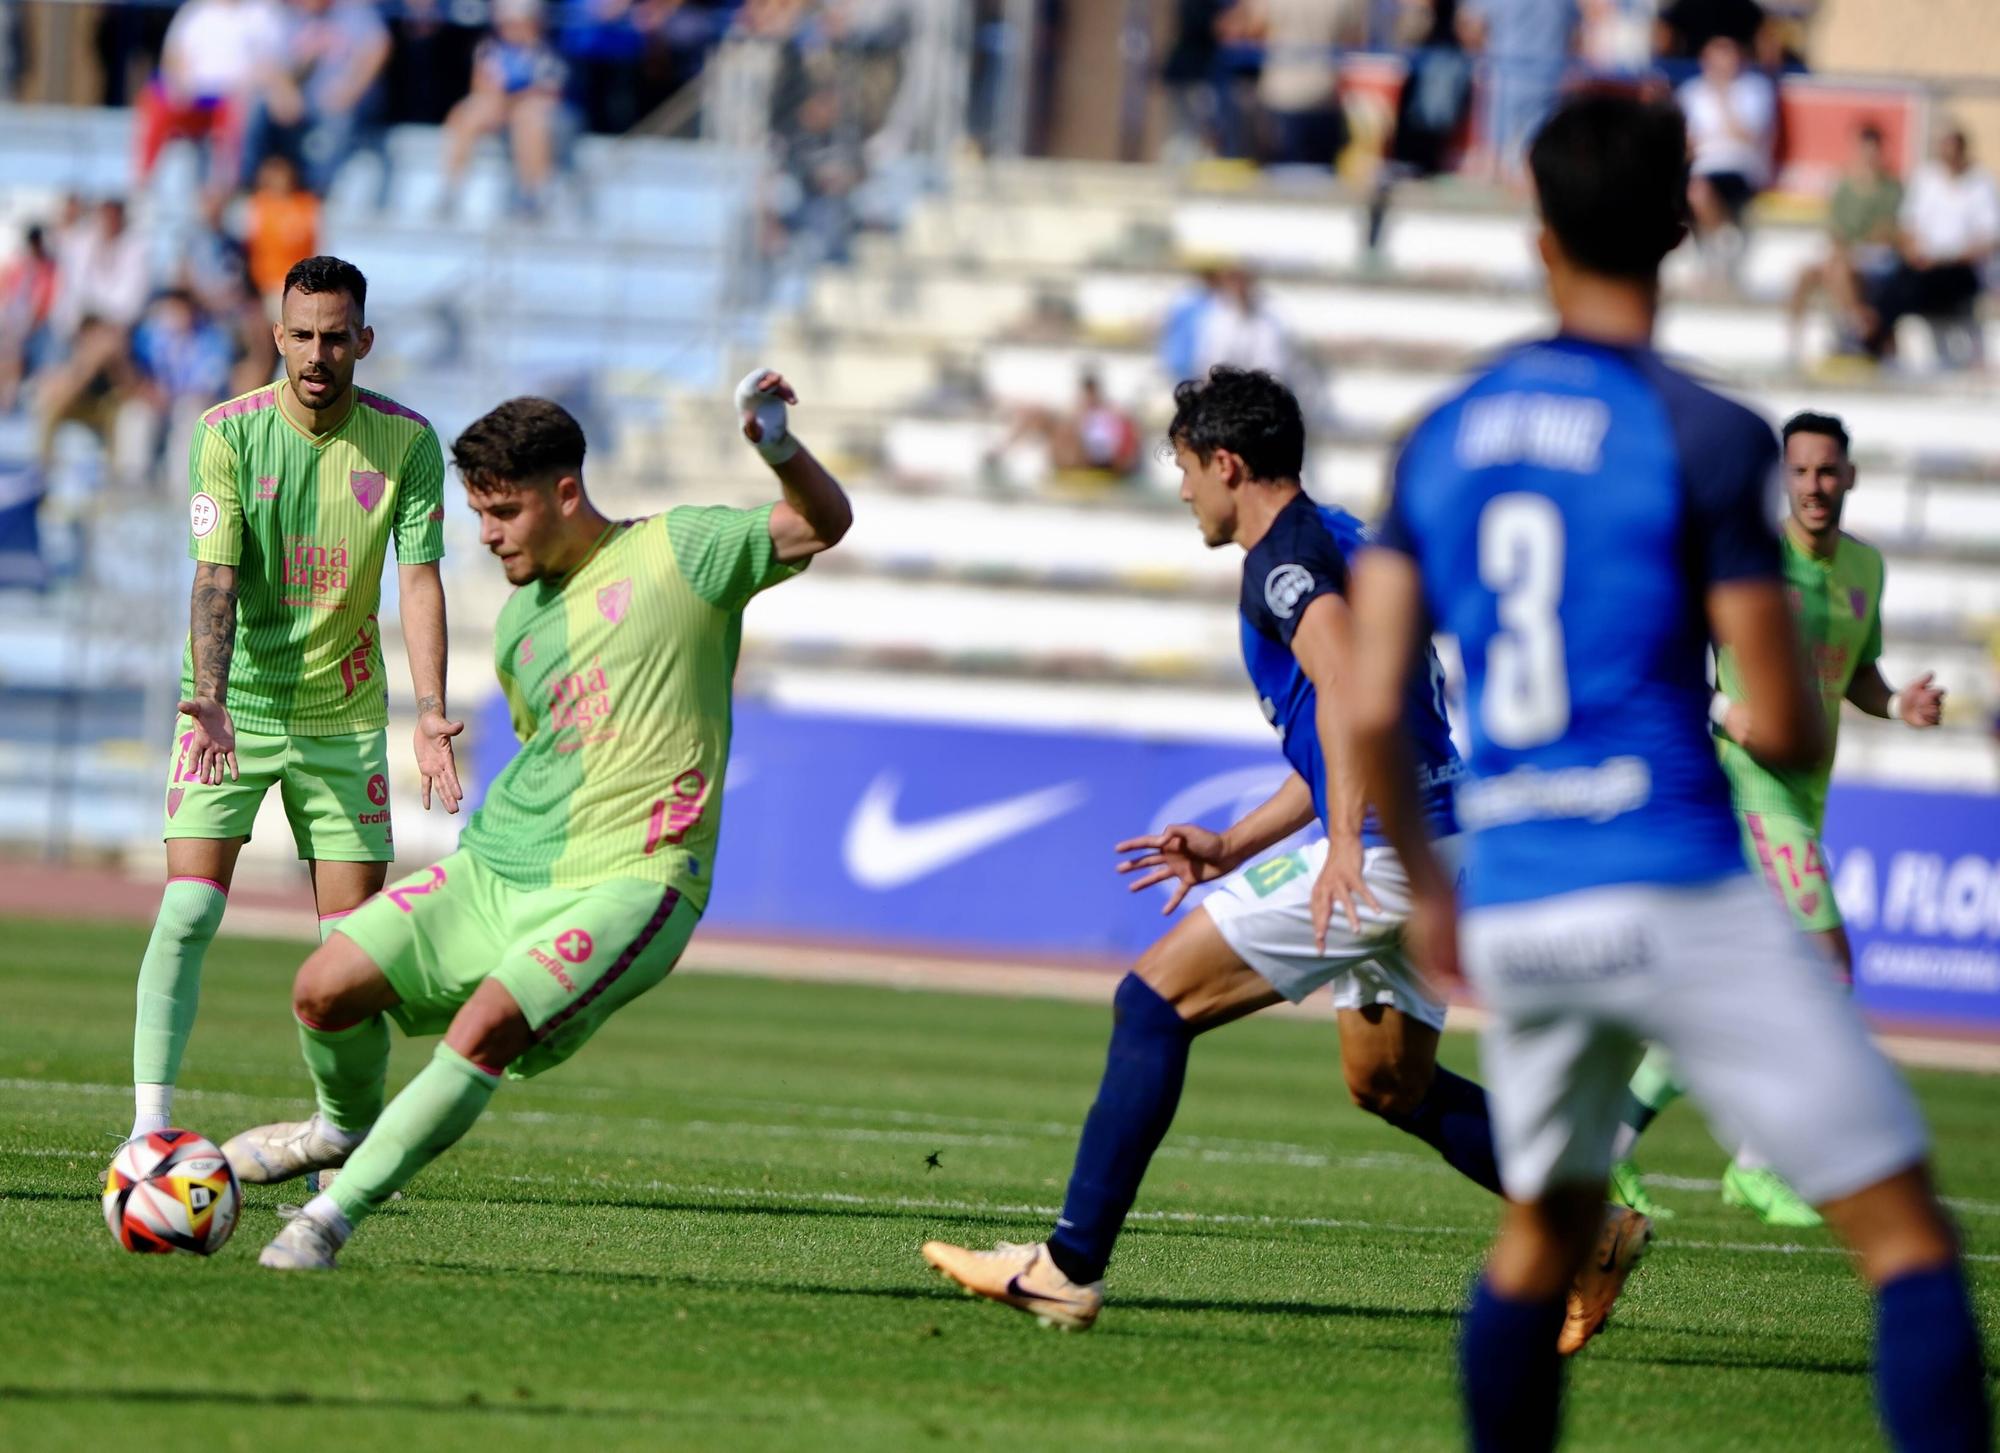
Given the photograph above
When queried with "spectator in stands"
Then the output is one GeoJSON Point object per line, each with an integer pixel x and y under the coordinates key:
{"type": "Point", "coordinates": [1094, 438]}
{"type": "Point", "coordinates": [810, 202]}
{"type": "Point", "coordinates": [27, 298]}
{"type": "Point", "coordinates": [1525, 46]}
{"type": "Point", "coordinates": [88, 388]}
{"type": "Point", "coordinates": [1237, 328]}
{"type": "Point", "coordinates": [517, 87]}
{"type": "Point", "coordinates": [1615, 37]}
{"type": "Point", "coordinates": [1950, 229]}
{"type": "Point", "coordinates": [1861, 245]}
{"type": "Point", "coordinates": [1200, 106]}
{"type": "Point", "coordinates": [630, 56]}
{"type": "Point", "coordinates": [1299, 88]}
{"type": "Point", "coordinates": [281, 225]}
{"type": "Point", "coordinates": [215, 50]}
{"type": "Point", "coordinates": [102, 272]}
{"type": "Point", "coordinates": [1181, 327]}
{"type": "Point", "coordinates": [430, 61]}
{"type": "Point", "coordinates": [1431, 106]}
{"type": "Point", "coordinates": [182, 363]}
{"type": "Point", "coordinates": [1732, 118]}
{"type": "Point", "coordinates": [322, 89]}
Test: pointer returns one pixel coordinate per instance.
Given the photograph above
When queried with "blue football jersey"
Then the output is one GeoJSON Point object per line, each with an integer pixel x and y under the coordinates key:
{"type": "Point", "coordinates": [1302, 557]}
{"type": "Point", "coordinates": [1568, 511]}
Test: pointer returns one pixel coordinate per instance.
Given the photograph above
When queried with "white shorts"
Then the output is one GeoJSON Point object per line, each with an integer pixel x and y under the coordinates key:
{"type": "Point", "coordinates": [1770, 1047]}
{"type": "Point", "coordinates": [1264, 913]}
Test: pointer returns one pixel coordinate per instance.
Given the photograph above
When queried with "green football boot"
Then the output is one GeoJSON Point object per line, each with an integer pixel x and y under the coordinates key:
{"type": "Point", "coordinates": [1765, 1192]}
{"type": "Point", "coordinates": [1627, 1189]}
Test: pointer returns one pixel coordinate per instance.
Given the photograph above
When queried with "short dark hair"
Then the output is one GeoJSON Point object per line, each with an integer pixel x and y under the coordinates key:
{"type": "Point", "coordinates": [1868, 131]}
{"type": "Point", "coordinates": [1826, 425]}
{"type": "Point", "coordinates": [527, 440]}
{"type": "Point", "coordinates": [329, 275]}
{"type": "Point", "coordinates": [1245, 411]}
{"type": "Point", "coordinates": [1611, 177]}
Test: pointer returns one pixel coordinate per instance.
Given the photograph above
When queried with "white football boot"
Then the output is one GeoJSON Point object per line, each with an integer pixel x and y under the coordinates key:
{"type": "Point", "coordinates": [305, 1243]}
{"type": "Point", "coordinates": [1023, 1277]}
{"type": "Point", "coordinates": [267, 1154]}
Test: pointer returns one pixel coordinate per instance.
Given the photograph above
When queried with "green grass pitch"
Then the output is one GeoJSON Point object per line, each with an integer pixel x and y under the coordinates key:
{"type": "Point", "coordinates": [702, 1233]}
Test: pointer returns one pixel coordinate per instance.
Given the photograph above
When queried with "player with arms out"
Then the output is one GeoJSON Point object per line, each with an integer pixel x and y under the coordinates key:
{"type": "Point", "coordinates": [1269, 933]}
{"type": "Point", "coordinates": [1586, 520]}
{"type": "Point", "coordinates": [296, 491]}
{"type": "Point", "coordinates": [1834, 584]}
{"type": "Point", "coordinates": [577, 883]}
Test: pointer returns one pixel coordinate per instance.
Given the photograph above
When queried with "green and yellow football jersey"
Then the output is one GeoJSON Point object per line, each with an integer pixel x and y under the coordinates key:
{"type": "Point", "coordinates": [619, 677]}
{"type": "Point", "coordinates": [307, 523]}
{"type": "Point", "coordinates": [1837, 603]}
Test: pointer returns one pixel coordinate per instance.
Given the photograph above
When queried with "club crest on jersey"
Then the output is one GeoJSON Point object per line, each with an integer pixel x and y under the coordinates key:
{"type": "Point", "coordinates": [1283, 587]}
{"type": "Point", "coordinates": [527, 651]}
{"type": "Point", "coordinates": [612, 600]}
{"type": "Point", "coordinates": [367, 485]}
{"type": "Point", "coordinates": [1858, 599]}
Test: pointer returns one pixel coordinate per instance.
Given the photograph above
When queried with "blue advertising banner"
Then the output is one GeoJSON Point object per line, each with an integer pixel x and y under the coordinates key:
{"type": "Point", "coordinates": [998, 841]}
{"type": "Point", "coordinates": [1917, 876]}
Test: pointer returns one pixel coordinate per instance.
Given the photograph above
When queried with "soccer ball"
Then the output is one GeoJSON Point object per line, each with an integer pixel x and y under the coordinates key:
{"type": "Point", "coordinates": [171, 1191]}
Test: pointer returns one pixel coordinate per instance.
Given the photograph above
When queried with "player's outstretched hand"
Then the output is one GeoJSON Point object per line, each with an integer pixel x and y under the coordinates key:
{"type": "Point", "coordinates": [435, 760]}
{"type": "Point", "coordinates": [1182, 854]}
{"type": "Point", "coordinates": [1923, 702]}
{"type": "Point", "coordinates": [212, 744]}
{"type": "Point", "coordinates": [1340, 882]}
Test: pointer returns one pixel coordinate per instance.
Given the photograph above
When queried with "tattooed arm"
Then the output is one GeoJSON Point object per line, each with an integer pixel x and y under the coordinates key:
{"type": "Point", "coordinates": [212, 631]}
{"type": "Point", "coordinates": [421, 589]}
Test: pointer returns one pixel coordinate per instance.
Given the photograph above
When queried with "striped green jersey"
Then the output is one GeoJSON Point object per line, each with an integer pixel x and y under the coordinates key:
{"type": "Point", "coordinates": [307, 524]}
{"type": "Point", "coordinates": [1837, 603]}
{"type": "Point", "coordinates": [618, 677]}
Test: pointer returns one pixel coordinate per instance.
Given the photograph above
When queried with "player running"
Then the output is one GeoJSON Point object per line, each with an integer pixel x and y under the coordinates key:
{"type": "Point", "coordinates": [1268, 933]}
{"type": "Point", "coordinates": [295, 492]}
{"type": "Point", "coordinates": [1834, 584]}
{"type": "Point", "coordinates": [577, 883]}
{"type": "Point", "coordinates": [1584, 519]}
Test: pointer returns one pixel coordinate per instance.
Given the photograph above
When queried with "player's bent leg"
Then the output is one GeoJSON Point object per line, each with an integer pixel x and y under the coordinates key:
{"type": "Point", "coordinates": [1189, 981]}
{"type": "Point", "coordinates": [338, 998]}
{"type": "Point", "coordinates": [1930, 1375]}
{"type": "Point", "coordinates": [430, 1115]}
{"type": "Point", "coordinates": [199, 871]}
{"type": "Point", "coordinates": [1389, 1059]}
{"type": "Point", "coordinates": [341, 887]}
{"type": "Point", "coordinates": [1652, 1089]}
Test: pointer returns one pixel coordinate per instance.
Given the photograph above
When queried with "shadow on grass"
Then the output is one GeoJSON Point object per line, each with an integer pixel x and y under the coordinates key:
{"type": "Point", "coordinates": [292, 1398]}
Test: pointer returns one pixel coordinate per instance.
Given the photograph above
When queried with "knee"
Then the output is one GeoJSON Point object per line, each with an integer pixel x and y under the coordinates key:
{"type": "Point", "coordinates": [1152, 976]}
{"type": "Point", "coordinates": [317, 993]}
{"type": "Point", "coordinates": [490, 1030]}
{"type": "Point", "coordinates": [1387, 1088]}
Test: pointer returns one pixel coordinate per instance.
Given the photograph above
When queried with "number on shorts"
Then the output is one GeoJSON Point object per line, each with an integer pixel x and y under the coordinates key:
{"type": "Point", "coordinates": [1526, 701]}
{"type": "Point", "coordinates": [401, 896]}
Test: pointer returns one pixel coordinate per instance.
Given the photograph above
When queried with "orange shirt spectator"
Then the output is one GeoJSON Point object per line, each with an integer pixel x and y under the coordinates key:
{"type": "Point", "coordinates": [283, 225]}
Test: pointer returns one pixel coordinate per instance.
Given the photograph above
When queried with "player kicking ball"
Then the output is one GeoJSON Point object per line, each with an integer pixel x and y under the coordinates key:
{"type": "Point", "coordinates": [577, 883]}
{"type": "Point", "coordinates": [1586, 520]}
{"type": "Point", "coordinates": [295, 492]}
{"type": "Point", "coordinates": [1268, 933]}
{"type": "Point", "coordinates": [1834, 584]}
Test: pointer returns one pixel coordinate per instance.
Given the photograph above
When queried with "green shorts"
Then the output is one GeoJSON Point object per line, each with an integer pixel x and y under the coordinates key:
{"type": "Point", "coordinates": [335, 790]}
{"type": "Point", "coordinates": [1786, 851]}
{"type": "Point", "coordinates": [571, 957]}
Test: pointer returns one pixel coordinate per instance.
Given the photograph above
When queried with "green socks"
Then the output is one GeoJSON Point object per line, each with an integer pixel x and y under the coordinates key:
{"type": "Point", "coordinates": [169, 990]}
{"type": "Point", "coordinates": [328, 922]}
{"type": "Point", "coordinates": [433, 1111]}
{"type": "Point", "coordinates": [1653, 1083]}
{"type": "Point", "coordinates": [350, 1071]}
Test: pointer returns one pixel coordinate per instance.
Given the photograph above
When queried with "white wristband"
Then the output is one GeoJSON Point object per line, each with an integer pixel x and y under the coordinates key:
{"type": "Point", "coordinates": [777, 444]}
{"type": "Point", "coordinates": [1895, 706]}
{"type": "Point", "coordinates": [1718, 709]}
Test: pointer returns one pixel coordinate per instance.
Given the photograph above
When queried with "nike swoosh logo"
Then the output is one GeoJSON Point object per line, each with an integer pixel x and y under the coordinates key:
{"type": "Point", "coordinates": [1015, 1289]}
{"type": "Point", "coordinates": [882, 853]}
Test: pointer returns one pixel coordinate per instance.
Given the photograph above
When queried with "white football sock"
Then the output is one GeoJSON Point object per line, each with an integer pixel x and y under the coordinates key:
{"type": "Point", "coordinates": [152, 1109]}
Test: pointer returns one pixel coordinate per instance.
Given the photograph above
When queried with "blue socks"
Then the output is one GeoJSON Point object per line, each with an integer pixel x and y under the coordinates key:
{"type": "Point", "coordinates": [1454, 1119]}
{"type": "Point", "coordinates": [1136, 1100]}
{"type": "Point", "coordinates": [1511, 1372]}
{"type": "Point", "coordinates": [1930, 1375]}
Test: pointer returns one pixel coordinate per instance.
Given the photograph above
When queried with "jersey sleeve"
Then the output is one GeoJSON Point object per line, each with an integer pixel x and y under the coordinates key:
{"type": "Point", "coordinates": [1871, 649]}
{"type": "Point", "coordinates": [727, 555]}
{"type": "Point", "coordinates": [1295, 572]}
{"type": "Point", "coordinates": [420, 502]}
{"type": "Point", "coordinates": [1730, 485]}
{"type": "Point", "coordinates": [215, 502]}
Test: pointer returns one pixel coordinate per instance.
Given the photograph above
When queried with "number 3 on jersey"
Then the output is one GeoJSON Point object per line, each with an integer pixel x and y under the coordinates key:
{"type": "Point", "coordinates": [1526, 700]}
